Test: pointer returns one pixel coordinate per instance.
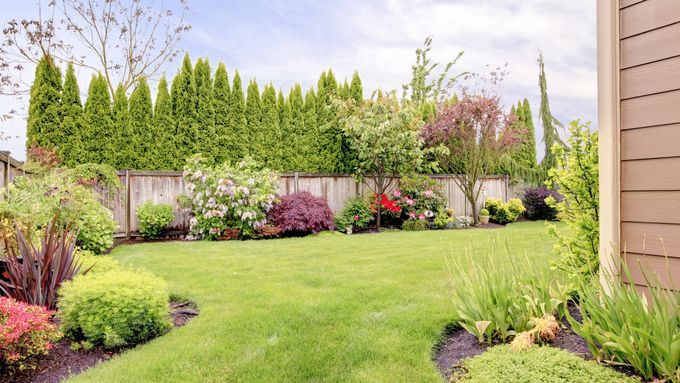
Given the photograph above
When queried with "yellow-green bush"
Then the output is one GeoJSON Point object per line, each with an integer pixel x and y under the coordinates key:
{"type": "Point", "coordinates": [504, 212]}
{"type": "Point", "coordinates": [114, 308]}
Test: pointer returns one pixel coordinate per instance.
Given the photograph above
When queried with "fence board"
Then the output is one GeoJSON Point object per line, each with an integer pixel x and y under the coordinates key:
{"type": "Point", "coordinates": [165, 187]}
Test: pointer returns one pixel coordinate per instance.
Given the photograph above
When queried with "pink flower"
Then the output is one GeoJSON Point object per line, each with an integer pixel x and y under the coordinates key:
{"type": "Point", "coordinates": [356, 217]}
{"type": "Point", "coordinates": [428, 193]}
{"type": "Point", "coordinates": [397, 193]}
{"type": "Point", "coordinates": [412, 214]}
{"type": "Point", "coordinates": [421, 216]}
{"type": "Point", "coordinates": [409, 201]}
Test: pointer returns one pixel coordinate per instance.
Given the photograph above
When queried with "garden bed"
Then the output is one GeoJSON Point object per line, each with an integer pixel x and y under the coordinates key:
{"type": "Point", "coordinates": [62, 361]}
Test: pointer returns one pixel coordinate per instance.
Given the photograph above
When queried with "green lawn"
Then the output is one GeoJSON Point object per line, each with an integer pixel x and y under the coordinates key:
{"type": "Point", "coordinates": [327, 308]}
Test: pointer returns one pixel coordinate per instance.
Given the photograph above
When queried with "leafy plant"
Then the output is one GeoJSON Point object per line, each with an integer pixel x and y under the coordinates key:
{"type": "Point", "coordinates": [623, 327]}
{"type": "Point", "coordinates": [576, 178]}
{"type": "Point", "coordinates": [504, 213]}
{"type": "Point", "coordinates": [114, 308]}
{"type": "Point", "coordinates": [301, 213]}
{"type": "Point", "coordinates": [153, 219]}
{"type": "Point", "coordinates": [484, 213]}
{"type": "Point", "coordinates": [25, 333]}
{"type": "Point", "coordinates": [419, 195]}
{"type": "Point", "coordinates": [228, 197]}
{"type": "Point", "coordinates": [534, 200]}
{"type": "Point", "coordinates": [536, 364]}
{"type": "Point", "coordinates": [35, 273]}
{"type": "Point", "coordinates": [497, 298]}
{"type": "Point", "coordinates": [357, 213]}
{"type": "Point", "coordinates": [415, 225]}
{"type": "Point", "coordinates": [445, 218]}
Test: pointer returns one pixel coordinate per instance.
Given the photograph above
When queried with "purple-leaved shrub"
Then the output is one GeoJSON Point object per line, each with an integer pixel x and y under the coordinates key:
{"type": "Point", "coordinates": [300, 213]}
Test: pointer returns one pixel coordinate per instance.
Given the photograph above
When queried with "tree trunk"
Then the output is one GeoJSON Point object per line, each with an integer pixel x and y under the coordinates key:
{"type": "Point", "coordinates": [475, 216]}
{"type": "Point", "coordinates": [377, 219]}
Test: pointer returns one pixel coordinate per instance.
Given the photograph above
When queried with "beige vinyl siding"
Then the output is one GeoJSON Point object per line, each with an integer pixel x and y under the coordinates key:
{"type": "Point", "coordinates": [649, 33]}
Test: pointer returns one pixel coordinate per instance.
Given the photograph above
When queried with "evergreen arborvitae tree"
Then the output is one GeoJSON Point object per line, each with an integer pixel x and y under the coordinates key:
{"type": "Point", "coordinates": [186, 117]}
{"type": "Point", "coordinates": [526, 155]}
{"type": "Point", "coordinates": [98, 142]}
{"type": "Point", "coordinates": [125, 143]}
{"type": "Point", "coordinates": [310, 144]}
{"type": "Point", "coordinates": [272, 139]}
{"type": "Point", "coordinates": [44, 107]}
{"type": "Point", "coordinates": [236, 140]}
{"type": "Point", "coordinates": [163, 129]}
{"type": "Point", "coordinates": [290, 143]}
{"type": "Point", "coordinates": [296, 127]}
{"type": "Point", "coordinates": [330, 140]}
{"type": "Point", "coordinates": [141, 124]}
{"type": "Point", "coordinates": [71, 120]}
{"type": "Point", "coordinates": [254, 136]}
{"type": "Point", "coordinates": [550, 124]}
{"type": "Point", "coordinates": [281, 103]}
{"type": "Point", "coordinates": [206, 143]}
{"type": "Point", "coordinates": [356, 90]}
{"type": "Point", "coordinates": [221, 107]}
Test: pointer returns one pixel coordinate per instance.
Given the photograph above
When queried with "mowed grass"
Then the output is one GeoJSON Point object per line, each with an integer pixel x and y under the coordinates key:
{"type": "Point", "coordinates": [326, 308]}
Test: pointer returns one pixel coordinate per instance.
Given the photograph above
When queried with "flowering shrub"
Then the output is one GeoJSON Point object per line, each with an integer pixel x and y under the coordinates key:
{"type": "Point", "coordinates": [302, 213]}
{"type": "Point", "coordinates": [387, 205]}
{"type": "Point", "coordinates": [25, 332]}
{"type": "Point", "coordinates": [419, 197]}
{"type": "Point", "coordinates": [228, 197]}
{"type": "Point", "coordinates": [356, 214]}
{"type": "Point", "coordinates": [537, 208]}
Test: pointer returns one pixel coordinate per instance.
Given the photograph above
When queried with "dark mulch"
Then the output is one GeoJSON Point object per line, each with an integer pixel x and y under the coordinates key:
{"type": "Point", "coordinates": [459, 344]}
{"type": "Point", "coordinates": [489, 225]}
{"type": "Point", "coordinates": [63, 362]}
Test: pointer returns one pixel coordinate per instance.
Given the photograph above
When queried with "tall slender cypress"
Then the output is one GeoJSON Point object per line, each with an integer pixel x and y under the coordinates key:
{"type": "Point", "coordinates": [71, 119]}
{"type": "Point", "coordinates": [185, 114]}
{"type": "Point", "coordinates": [206, 144]}
{"type": "Point", "coordinates": [221, 106]}
{"type": "Point", "coordinates": [125, 143]}
{"type": "Point", "coordinates": [163, 129]}
{"type": "Point", "coordinates": [310, 146]}
{"type": "Point", "coordinates": [98, 141]}
{"type": "Point", "coordinates": [254, 136]}
{"type": "Point", "coordinates": [550, 124]}
{"type": "Point", "coordinates": [44, 107]}
{"type": "Point", "coordinates": [236, 140]}
{"type": "Point", "coordinates": [297, 129]}
{"type": "Point", "coordinates": [272, 144]}
{"type": "Point", "coordinates": [141, 119]}
{"type": "Point", "coordinates": [331, 157]}
{"type": "Point", "coordinates": [356, 90]}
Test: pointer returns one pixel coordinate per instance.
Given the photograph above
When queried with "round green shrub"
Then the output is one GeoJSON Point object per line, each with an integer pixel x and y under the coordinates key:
{"type": "Point", "coordinates": [484, 212]}
{"type": "Point", "coordinates": [96, 263]}
{"type": "Point", "coordinates": [357, 213]}
{"type": "Point", "coordinates": [537, 364]}
{"type": "Point", "coordinates": [153, 219]}
{"type": "Point", "coordinates": [114, 308]}
{"type": "Point", "coordinates": [415, 225]}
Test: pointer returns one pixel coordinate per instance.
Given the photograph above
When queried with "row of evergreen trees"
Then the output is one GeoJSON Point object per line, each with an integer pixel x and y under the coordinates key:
{"type": "Point", "coordinates": [201, 112]}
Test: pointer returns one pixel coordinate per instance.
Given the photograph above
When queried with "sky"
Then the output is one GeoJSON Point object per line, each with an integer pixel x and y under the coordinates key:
{"type": "Point", "coordinates": [284, 42]}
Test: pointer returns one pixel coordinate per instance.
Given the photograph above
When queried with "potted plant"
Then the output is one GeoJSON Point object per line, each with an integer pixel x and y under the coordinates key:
{"type": "Point", "coordinates": [484, 216]}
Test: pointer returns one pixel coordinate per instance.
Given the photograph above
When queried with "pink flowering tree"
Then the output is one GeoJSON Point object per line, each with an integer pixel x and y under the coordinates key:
{"type": "Point", "coordinates": [475, 132]}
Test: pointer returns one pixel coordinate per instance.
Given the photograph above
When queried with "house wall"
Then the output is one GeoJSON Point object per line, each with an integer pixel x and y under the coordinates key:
{"type": "Point", "coordinates": [643, 128]}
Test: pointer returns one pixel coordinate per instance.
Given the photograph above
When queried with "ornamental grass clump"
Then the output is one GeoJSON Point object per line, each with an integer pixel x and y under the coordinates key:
{"type": "Point", "coordinates": [228, 198]}
{"type": "Point", "coordinates": [497, 297]}
{"type": "Point", "coordinates": [25, 333]}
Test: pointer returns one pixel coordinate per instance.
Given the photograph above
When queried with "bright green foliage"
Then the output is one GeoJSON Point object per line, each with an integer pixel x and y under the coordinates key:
{"type": "Point", "coordinates": [44, 108]}
{"type": "Point", "coordinates": [310, 140]}
{"type": "Point", "coordinates": [576, 177]}
{"type": "Point", "coordinates": [297, 130]}
{"type": "Point", "coordinates": [497, 296]}
{"type": "Point", "coordinates": [254, 133]}
{"type": "Point", "coordinates": [289, 138]}
{"type": "Point", "coordinates": [330, 156]}
{"type": "Point", "coordinates": [538, 364]}
{"type": "Point", "coordinates": [269, 148]}
{"type": "Point", "coordinates": [357, 214]}
{"type": "Point", "coordinates": [163, 129]}
{"type": "Point", "coordinates": [550, 124]}
{"type": "Point", "coordinates": [125, 142]}
{"type": "Point", "coordinates": [521, 162]}
{"type": "Point", "coordinates": [356, 90]}
{"type": "Point", "coordinates": [415, 225]}
{"type": "Point", "coordinates": [186, 117]}
{"type": "Point", "coordinates": [504, 212]}
{"type": "Point", "coordinates": [221, 95]}
{"type": "Point", "coordinates": [237, 139]}
{"type": "Point", "coordinates": [141, 125]}
{"type": "Point", "coordinates": [625, 327]}
{"type": "Point", "coordinates": [387, 141]}
{"type": "Point", "coordinates": [96, 263]}
{"type": "Point", "coordinates": [71, 120]}
{"type": "Point", "coordinates": [153, 219]}
{"type": "Point", "coordinates": [114, 308]}
{"type": "Point", "coordinates": [99, 124]}
{"type": "Point", "coordinates": [205, 139]}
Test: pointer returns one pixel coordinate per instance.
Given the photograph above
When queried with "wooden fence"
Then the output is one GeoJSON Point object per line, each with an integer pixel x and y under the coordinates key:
{"type": "Point", "coordinates": [9, 168]}
{"type": "Point", "coordinates": [164, 187]}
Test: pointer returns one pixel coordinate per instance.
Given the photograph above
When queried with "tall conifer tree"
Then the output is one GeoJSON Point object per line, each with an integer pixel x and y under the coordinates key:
{"type": "Point", "coordinates": [297, 129]}
{"type": "Point", "coordinates": [331, 156]}
{"type": "Point", "coordinates": [141, 124]}
{"type": "Point", "coordinates": [221, 106]}
{"type": "Point", "coordinates": [206, 143]}
{"type": "Point", "coordinates": [356, 90]}
{"type": "Point", "coordinates": [98, 143]}
{"type": "Point", "coordinates": [270, 152]}
{"type": "Point", "coordinates": [44, 107]}
{"type": "Point", "coordinates": [163, 129]}
{"type": "Point", "coordinates": [311, 136]}
{"type": "Point", "coordinates": [71, 119]}
{"type": "Point", "coordinates": [125, 144]}
{"type": "Point", "coordinates": [185, 114]}
{"type": "Point", "coordinates": [550, 124]}
{"type": "Point", "coordinates": [253, 137]}
{"type": "Point", "coordinates": [236, 142]}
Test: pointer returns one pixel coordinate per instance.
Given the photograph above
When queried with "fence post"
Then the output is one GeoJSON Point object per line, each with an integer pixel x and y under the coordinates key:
{"type": "Point", "coordinates": [127, 204]}
{"type": "Point", "coordinates": [295, 183]}
{"type": "Point", "coordinates": [8, 168]}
